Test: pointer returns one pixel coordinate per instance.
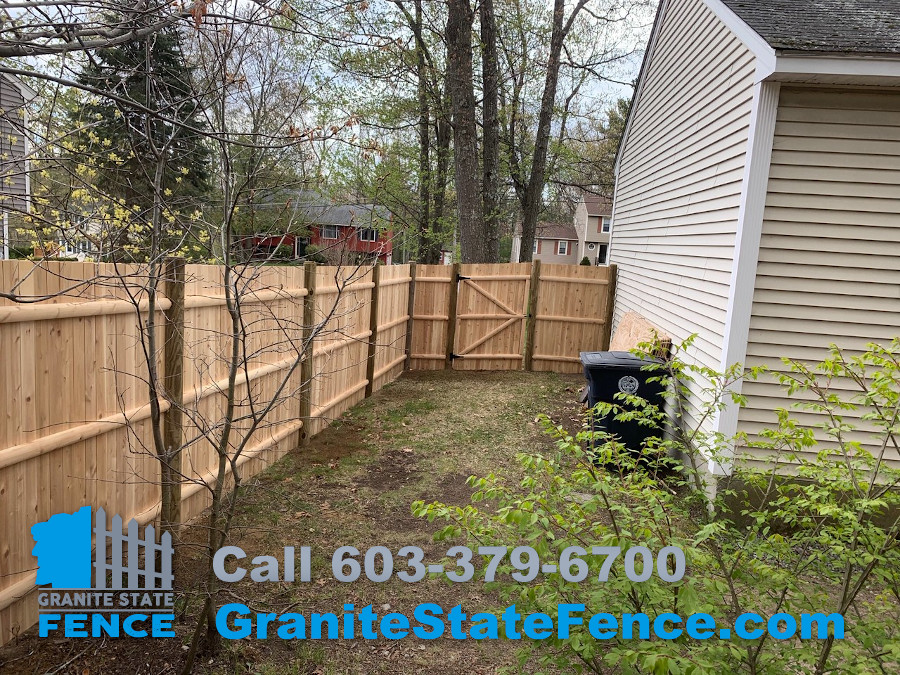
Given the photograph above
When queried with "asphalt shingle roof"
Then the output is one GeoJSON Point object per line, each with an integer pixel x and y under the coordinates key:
{"type": "Point", "coordinates": [361, 215]}
{"type": "Point", "coordinates": [842, 26]}
{"type": "Point", "coordinates": [556, 231]}
{"type": "Point", "coordinates": [597, 206]}
{"type": "Point", "coordinates": [317, 208]}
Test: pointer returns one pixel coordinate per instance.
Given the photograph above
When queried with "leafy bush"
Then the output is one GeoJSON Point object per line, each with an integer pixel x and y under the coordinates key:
{"type": "Point", "coordinates": [314, 254]}
{"type": "Point", "coordinates": [585, 261]}
{"type": "Point", "coordinates": [284, 252]}
{"type": "Point", "coordinates": [813, 530]}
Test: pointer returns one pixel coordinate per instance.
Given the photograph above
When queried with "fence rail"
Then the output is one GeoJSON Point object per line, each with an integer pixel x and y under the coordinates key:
{"type": "Point", "coordinates": [75, 420]}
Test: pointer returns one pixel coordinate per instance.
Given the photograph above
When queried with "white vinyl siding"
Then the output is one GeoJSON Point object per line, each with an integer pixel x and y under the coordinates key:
{"type": "Point", "coordinates": [13, 147]}
{"type": "Point", "coordinates": [680, 179]}
{"type": "Point", "coordinates": [828, 267]}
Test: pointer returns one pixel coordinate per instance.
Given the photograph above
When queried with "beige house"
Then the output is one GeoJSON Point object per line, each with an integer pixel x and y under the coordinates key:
{"type": "Point", "coordinates": [553, 243]}
{"type": "Point", "coordinates": [593, 225]}
{"type": "Point", "coordinates": [758, 185]}
{"type": "Point", "coordinates": [14, 181]}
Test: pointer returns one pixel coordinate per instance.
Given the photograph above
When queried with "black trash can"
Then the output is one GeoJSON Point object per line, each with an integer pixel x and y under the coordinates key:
{"type": "Point", "coordinates": [609, 373]}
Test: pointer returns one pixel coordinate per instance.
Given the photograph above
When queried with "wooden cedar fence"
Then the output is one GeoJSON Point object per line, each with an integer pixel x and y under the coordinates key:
{"type": "Point", "coordinates": [510, 316]}
{"type": "Point", "coordinates": [74, 419]}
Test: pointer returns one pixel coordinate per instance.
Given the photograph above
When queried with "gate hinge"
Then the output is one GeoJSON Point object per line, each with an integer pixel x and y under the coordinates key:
{"type": "Point", "coordinates": [460, 277]}
{"type": "Point", "coordinates": [453, 356]}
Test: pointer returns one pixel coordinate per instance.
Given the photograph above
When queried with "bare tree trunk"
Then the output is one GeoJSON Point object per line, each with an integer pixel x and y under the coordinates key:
{"type": "Point", "coordinates": [490, 164]}
{"type": "Point", "coordinates": [490, 180]}
{"type": "Point", "coordinates": [535, 188]}
{"type": "Point", "coordinates": [443, 135]}
{"type": "Point", "coordinates": [427, 244]}
{"type": "Point", "coordinates": [474, 243]}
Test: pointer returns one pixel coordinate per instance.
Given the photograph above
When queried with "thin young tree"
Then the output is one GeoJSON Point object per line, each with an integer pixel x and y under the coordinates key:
{"type": "Point", "coordinates": [218, 105]}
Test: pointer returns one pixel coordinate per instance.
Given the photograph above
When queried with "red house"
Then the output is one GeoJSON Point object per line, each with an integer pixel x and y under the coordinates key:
{"type": "Point", "coordinates": [349, 233]}
{"type": "Point", "coordinates": [339, 233]}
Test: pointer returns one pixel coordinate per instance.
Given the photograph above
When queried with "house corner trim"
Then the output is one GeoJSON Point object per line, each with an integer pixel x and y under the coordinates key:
{"type": "Point", "coordinates": [747, 243]}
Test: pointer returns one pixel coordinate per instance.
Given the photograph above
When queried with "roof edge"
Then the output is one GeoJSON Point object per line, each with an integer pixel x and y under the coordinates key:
{"type": "Point", "coordinates": [822, 53]}
{"type": "Point", "coordinates": [761, 49]}
{"type": "Point", "coordinates": [837, 68]}
{"type": "Point", "coordinates": [28, 93]}
{"type": "Point", "coordinates": [755, 42]}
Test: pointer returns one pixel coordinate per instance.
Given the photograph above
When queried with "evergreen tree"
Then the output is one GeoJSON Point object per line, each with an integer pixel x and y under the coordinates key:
{"type": "Point", "coordinates": [152, 114]}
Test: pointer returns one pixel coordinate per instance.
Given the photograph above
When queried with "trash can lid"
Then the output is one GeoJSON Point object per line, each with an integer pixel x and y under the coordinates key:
{"type": "Point", "coordinates": [614, 360]}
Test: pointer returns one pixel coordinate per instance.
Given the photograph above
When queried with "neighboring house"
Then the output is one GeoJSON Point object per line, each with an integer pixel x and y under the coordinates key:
{"type": "Point", "coordinates": [446, 256]}
{"type": "Point", "coordinates": [81, 250]}
{"type": "Point", "coordinates": [758, 186]}
{"type": "Point", "coordinates": [447, 249]}
{"type": "Point", "coordinates": [348, 233]}
{"type": "Point", "coordinates": [14, 149]}
{"type": "Point", "coordinates": [553, 243]}
{"type": "Point", "coordinates": [593, 225]}
{"type": "Point", "coordinates": [341, 233]}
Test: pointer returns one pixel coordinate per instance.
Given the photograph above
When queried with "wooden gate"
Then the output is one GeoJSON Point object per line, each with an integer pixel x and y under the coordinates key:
{"type": "Point", "coordinates": [491, 307]}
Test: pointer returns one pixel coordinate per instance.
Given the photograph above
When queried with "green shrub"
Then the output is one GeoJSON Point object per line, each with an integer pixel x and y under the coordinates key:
{"type": "Point", "coordinates": [284, 252]}
{"type": "Point", "coordinates": [314, 254]}
{"type": "Point", "coordinates": [825, 541]}
{"type": "Point", "coordinates": [585, 261]}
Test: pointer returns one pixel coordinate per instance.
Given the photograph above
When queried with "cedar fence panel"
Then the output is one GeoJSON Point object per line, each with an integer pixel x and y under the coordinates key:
{"type": "Point", "coordinates": [574, 304]}
{"type": "Point", "coordinates": [392, 324]}
{"type": "Point", "coordinates": [272, 309]}
{"type": "Point", "coordinates": [74, 411]}
{"type": "Point", "coordinates": [71, 374]}
{"type": "Point", "coordinates": [430, 316]}
{"type": "Point", "coordinates": [342, 297]}
{"type": "Point", "coordinates": [490, 316]}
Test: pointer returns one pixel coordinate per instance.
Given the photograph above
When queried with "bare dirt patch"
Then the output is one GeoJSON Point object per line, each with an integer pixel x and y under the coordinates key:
{"type": "Point", "coordinates": [420, 438]}
{"type": "Point", "coordinates": [390, 472]}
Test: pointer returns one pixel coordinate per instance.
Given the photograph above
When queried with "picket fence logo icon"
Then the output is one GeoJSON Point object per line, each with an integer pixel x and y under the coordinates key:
{"type": "Point", "coordinates": [111, 578]}
{"type": "Point", "coordinates": [629, 384]}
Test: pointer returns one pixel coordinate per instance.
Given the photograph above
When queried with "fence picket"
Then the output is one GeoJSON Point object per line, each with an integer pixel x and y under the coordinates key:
{"type": "Point", "coordinates": [100, 552]}
{"type": "Point", "coordinates": [132, 566]}
{"type": "Point", "coordinates": [115, 536]}
{"type": "Point", "coordinates": [166, 579]}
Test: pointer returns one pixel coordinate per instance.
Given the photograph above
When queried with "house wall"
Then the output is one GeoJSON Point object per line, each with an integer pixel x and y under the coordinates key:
{"type": "Point", "coordinates": [596, 236]}
{"type": "Point", "coordinates": [13, 167]}
{"type": "Point", "coordinates": [596, 233]}
{"type": "Point", "coordinates": [680, 178]}
{"type": "Point", "coordinates": [348, 241]}
{"type": "Point", "coordinates": [581, 219]}
{"type": "Point", "coordinates": [547, 252]}
{"type": "Point", "coordinates": [588, 228]}
{"type": "Point", "coordinates": [599, 255]}
{"type": "Point", "coordinates": [828, 267]}
{"type": "Point", "coordinates": [12, 144]}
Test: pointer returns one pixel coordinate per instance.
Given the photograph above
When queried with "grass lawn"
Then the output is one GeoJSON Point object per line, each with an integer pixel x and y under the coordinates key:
{"type": "Point", "coordinates": [419, 438]}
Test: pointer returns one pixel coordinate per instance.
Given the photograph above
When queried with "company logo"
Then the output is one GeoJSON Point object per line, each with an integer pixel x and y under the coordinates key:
{"type": "Point", "coordinates": [628, 384]}
{"type": "Point", "coordinates": [119, 583]}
